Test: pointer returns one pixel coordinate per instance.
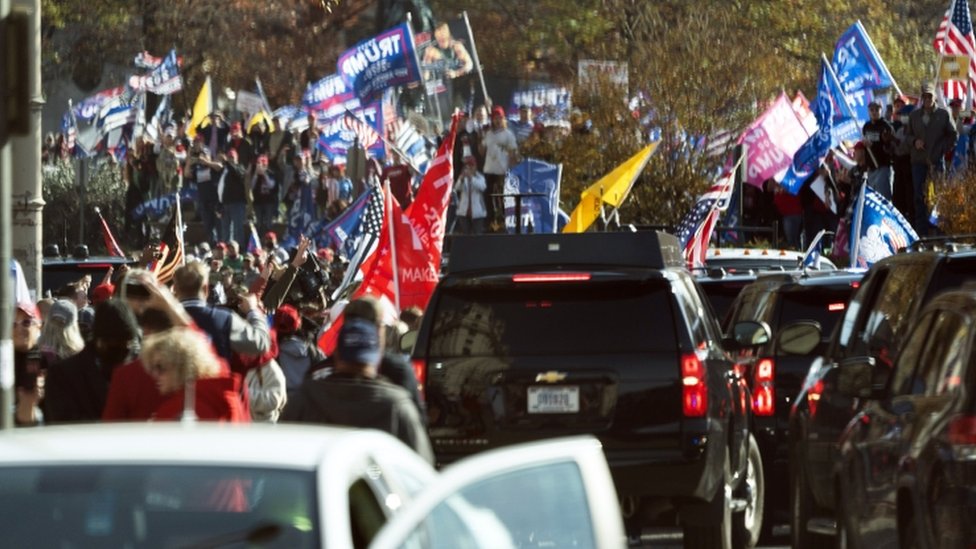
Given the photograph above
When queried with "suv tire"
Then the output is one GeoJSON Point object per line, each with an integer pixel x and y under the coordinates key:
{"type": "Point", "coordinates": [747, 526]}
{"type": "Point", "coordinates": [717, 535]}
{"type": "Point", "coordinates": [801, 510]}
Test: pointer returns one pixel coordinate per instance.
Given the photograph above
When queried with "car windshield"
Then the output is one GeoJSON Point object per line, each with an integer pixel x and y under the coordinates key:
{"type": "Point", "coordinates": [565, 319]}
{"type": "Point", "coordinates": [156, 506]}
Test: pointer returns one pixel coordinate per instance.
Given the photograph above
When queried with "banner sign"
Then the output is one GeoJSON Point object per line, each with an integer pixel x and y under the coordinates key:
{"type": "Point", "coordinates": [379, 63]}
{"type": "Point", "coordinates": [547, 103]}
{"type": "Point", "coordinates": [538, 212]}
{"type": "Point", "coordinates": [591, 71]}
{"type": "Point", "coordinates": [164, 79]}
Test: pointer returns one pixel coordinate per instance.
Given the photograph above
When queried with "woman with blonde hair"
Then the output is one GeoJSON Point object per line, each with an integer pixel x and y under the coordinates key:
{"type": "Point", "coordinates": [60, 336]}
{"type": "Point", "coordinates": [183, 362]}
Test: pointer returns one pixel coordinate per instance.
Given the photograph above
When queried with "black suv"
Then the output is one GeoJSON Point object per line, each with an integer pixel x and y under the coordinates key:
{"type": "Point", "coordinates": [907, 467]}
{"type": "Point", "coordinates": [537, 336]}
{"type": "Point", "coordinates": [874, 327]}
{"type": "Point", "coordinates": [784, 303]}
{"type": "Point", "coordinates": [57, 272]}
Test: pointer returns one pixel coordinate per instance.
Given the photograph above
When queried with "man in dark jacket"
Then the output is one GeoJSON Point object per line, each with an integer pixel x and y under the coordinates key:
{"type": "Point", "coordinates": [354, 395]}
{"type": "Point", "coordinates": [76, 388]}
{"type": "Point", "coordinates": [228, 331]}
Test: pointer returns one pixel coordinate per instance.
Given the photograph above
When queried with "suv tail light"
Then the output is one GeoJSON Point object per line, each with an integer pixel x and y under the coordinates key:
{"type": "Point", "coordinates": [962, 431]}
{"type": "Point", "coordinates": [420, 370]}
{"type": "Point", "coordinates": [813, 396]}
{"type": "Point", "coordinates": [694, 396]}
{"type": "Point", "coordinates": [763, 394]}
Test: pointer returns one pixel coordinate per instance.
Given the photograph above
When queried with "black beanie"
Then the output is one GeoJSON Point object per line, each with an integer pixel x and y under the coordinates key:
{"type": "Point", "coordinates": [114, 320]}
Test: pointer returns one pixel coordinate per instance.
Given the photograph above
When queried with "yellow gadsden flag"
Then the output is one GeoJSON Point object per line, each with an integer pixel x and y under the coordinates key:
{"type": "Point", "coordinates": [612, 189]}
{"type": "Point", "coordinates": [202, 107]}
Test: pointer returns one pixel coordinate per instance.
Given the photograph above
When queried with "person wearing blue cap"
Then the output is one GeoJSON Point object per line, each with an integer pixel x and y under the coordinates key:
{"type": "Point", "coordinates": [355, 395]}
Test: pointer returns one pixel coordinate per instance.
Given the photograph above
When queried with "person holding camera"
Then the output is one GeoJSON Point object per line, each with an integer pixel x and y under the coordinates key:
{"type": "Point", "coordinates": [229, 332]}
{"type": "Point", "coordinates": [204, 171]}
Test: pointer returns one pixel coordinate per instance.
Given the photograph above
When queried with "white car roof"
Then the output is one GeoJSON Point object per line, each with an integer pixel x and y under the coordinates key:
{"type": "Point", "coordinates": [300, 447]}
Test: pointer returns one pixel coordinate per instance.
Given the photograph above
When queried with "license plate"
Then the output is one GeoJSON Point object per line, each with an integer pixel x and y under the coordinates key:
{"type": "Point", "coordinates": [554, 400]}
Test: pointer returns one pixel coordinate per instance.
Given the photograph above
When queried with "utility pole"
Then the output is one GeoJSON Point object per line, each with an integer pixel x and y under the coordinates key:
{"type": "Point", "coordinates": [15, 122]}
{"type": "Point", "coordinates": [27, 202]}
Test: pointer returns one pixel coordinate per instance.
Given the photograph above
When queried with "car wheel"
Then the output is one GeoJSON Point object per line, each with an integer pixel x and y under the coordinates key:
{"type": "Point", "coordinates": [801, 510]}
{"type": "Point", "coordinates": [747, 524]}
{"type": "Point", "coordinates": [717, 535]}
{"type": "Point", "coordinates": [910, 538]}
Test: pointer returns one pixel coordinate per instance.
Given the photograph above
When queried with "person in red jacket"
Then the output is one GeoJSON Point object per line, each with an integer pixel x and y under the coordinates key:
{"type": "Point", "coordinates": [182, 360]}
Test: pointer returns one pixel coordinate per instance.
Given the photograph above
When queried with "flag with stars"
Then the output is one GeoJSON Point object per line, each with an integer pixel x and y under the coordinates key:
{"type": "Point", "coordinates": [695, 229]}
{"type": "Point", "coordinates": [955, 37]}
{"type": "Point", "coordinates": [359, 243]}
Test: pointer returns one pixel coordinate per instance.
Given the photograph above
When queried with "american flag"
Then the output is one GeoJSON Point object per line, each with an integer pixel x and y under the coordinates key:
{"type": "Point", "coordinates": [172, 247]}
{"type": "Point", "coordinates": [361, 244]}
{"type": "Point", "coordinates": [695, 229]}
{"type": "Point", "coordinates": [955, 37]}
{"type": "Point", "coordinates": [365, 133]}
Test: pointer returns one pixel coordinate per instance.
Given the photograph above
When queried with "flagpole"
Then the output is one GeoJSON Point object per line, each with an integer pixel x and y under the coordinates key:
{"type": "Point", "coordinates": [387, 201]}
{"type": "Point", "coordinates": [874, 51]}
{"type": "Point", "coordinates": [859, 210]}
{"type": "Point", "coordinates": [474, 55]}
{"type": "Point", "coordinates": [940, 54]}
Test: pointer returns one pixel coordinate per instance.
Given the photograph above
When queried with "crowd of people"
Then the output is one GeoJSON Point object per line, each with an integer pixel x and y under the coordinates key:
{"type": "Point", "coordinates": [147, 351]}
{"type": "Point", "coordinates": [905, 148]}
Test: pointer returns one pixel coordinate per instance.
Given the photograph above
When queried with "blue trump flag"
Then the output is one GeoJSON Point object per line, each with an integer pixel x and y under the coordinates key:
{"type": "Point", "coordinates": [333, 234]}
{"type": "Point", "coordinates": [329, 97]}
{"type": "Point", "coordinates": [388, 59]}
{"type": "Point", "coordinates": [301, 213]}
{"type": "Point", "coordinates": [533, 176]}
{"type": "Point", "coordinates": [877, 229]}
{"type": "Point", "coordinates": [338, 133]}
{"type": "Point", "coordinates": [859, 69]}
{"type": "Point", "coordinates": [833, 123]}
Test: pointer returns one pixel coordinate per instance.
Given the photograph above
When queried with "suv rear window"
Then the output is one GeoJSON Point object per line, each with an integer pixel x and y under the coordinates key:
{"type": "Point", "coordinates": [545, 319]}
{"type": "Point", "coordinates": [824, 304]}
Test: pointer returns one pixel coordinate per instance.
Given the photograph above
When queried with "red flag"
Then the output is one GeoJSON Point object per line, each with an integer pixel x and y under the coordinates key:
{"type": "Point", "coordinates": [110, 243]}
{"type": "Point", "coordinates": [428, 211]}
{"type": "Point", "coordinates": [955, 37]}
{"type": "Point", "coordinates": [401, 248]}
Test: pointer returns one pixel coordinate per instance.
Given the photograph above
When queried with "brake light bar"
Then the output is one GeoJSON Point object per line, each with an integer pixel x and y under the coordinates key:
{"type": "Point", "coordinates": [836, 307]}
{"type": "Point", "coordinates": [694, 395]}
{"type": "Point", "coordinates": [551, 277]}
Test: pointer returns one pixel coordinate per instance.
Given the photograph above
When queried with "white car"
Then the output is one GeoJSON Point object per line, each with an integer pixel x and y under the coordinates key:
{"type": "Point", "coordinates": [217, 485]}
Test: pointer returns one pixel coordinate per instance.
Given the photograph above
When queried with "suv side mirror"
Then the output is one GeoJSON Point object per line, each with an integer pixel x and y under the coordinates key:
{"type": "Point", "coordinates": [799, 338]}
{"type": "Point", "coordinates": [407, 342]}
{"type": "Point", "coordinates": [859, 377]}
{"type": "Point", "coordinates": [748, 333]}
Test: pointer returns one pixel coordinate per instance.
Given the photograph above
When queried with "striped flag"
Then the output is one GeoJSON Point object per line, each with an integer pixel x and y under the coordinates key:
{"type": "Point", "coordinates": [955, 37]}
{"type": "Point", "coordinates": [172, 248]}
{"type": "Point", "coordinates": [365, 133]}
{"type": "Point", "coordinates": [695, 229]}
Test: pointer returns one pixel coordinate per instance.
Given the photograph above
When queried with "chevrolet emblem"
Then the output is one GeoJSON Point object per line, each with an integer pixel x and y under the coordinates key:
{"type": "Point", "coordinates": [550, 377]}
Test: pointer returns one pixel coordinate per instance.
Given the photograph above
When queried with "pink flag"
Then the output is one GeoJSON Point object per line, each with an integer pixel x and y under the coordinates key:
{"type": "Point", "coordinates": [771, 141]}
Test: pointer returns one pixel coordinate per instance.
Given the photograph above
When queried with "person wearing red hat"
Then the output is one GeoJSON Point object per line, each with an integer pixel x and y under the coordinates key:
{"type": "Point", "coordinates": [500, 149]}
{"type": "Point", "coordinates": [101, 293]}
